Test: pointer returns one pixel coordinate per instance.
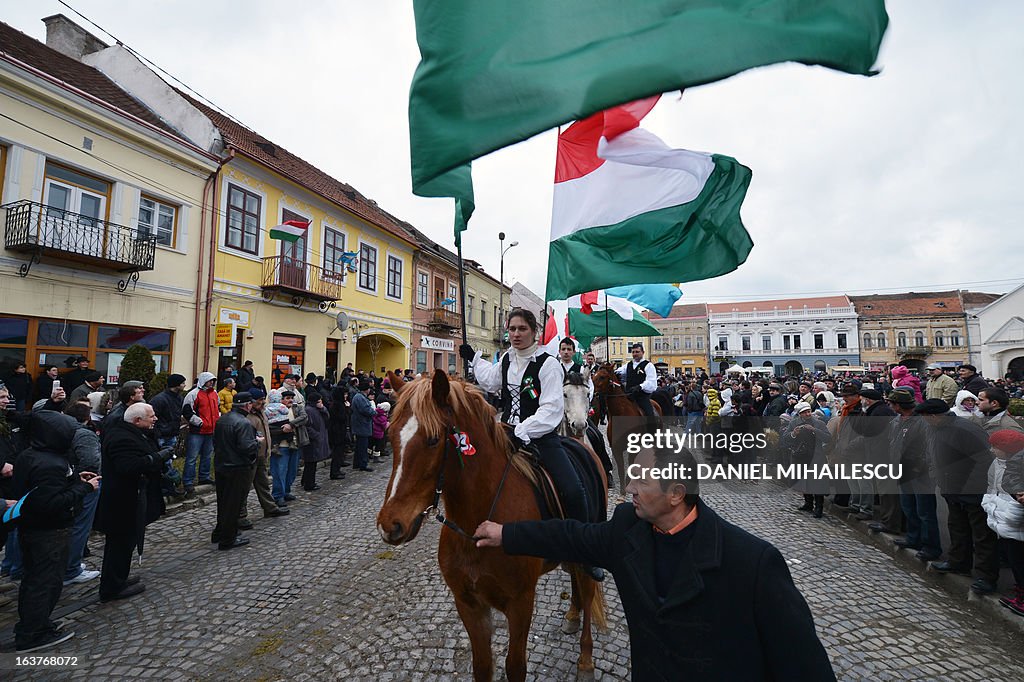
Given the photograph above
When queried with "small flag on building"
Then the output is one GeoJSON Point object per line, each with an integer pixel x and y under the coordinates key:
{"type": "Point", "coordinates": [349, 259]}
{"type": "Point", "coordinates": [448, 301]}
{"type": "Point", "coordinates": [290, 230]}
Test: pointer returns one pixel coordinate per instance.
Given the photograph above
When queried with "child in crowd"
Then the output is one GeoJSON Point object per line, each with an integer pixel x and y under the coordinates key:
{"type": "Point", "coordinates": [1005, 509]}
{"type": "Point", "coordinates": [274, 411]}
{"type": "Point", "coordinates": [380, 427]}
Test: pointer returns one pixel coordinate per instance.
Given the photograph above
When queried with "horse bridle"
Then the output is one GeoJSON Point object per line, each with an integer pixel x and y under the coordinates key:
{"type": "Point", "coordinates": [435, 506]}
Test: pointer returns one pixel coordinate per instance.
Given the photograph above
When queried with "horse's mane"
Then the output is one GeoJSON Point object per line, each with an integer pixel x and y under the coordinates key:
{"type": "Point", "coordinates": [467, 402]}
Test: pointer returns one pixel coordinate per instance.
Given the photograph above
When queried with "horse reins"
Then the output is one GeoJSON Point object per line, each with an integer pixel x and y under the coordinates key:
{"type": "Point", "coordinates": [435, 507]}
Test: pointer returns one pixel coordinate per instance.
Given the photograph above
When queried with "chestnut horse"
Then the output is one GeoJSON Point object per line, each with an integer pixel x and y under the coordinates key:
{"type": "Point", "coordinates": [489, 484]}
{"type": "Point", "coordinates": [618, 404]}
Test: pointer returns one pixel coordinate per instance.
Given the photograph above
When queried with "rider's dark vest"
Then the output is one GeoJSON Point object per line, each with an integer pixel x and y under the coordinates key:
{"type": "Point", "coordinates": [524, 405]}
{"type": "Point", "coordinates": [575, 367]}
{"type": "Point", "coordinates": [635, 377]}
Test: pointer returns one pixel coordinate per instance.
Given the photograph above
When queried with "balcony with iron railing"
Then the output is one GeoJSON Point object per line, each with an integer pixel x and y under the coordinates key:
{"type": "Point", "coordinates": [442, 319]}
{"type": "Point", "coordinates": [299, 279]}
{"type": "Point", "coordinates": [913, 351]}
{"type": "Point", "coordinates": [498, 333]}
{"type": "Point", "coordinates": [46, 231]}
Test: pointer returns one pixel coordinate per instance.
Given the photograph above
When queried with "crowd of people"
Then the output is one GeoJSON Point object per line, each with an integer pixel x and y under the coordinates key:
{"type": "Point", "coordinates": [952, 432]}
{"type": "Point", "coordinates": [76, 458]}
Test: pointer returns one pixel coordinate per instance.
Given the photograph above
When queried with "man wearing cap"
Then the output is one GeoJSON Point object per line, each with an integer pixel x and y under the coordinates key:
{"type": "Point", "coordinates": [243, 382]}
{"type": "Point", "coordinates": [78, 376]}
{"type": "Point", "coordinates": [362, 425]}
{"type": "Point", "coordinates": [167, 406]}
{"type": "Point", "coordinates": [909, 443]}
{"type": "Point", "coordinates": [93, 381]}
{"type": "Point", "coordinates": [201, 410]}
{"type": "Point", "coordinates": [876, 430]}
{"type": "Point", "coordinates": [806, 436]}
{"type": "Point", "coordinates": [261, 471]}
{"type": "Point", "coordinates": [778, 401]}
{"type": "Point", "coordinates": [847, 443]}
{"type": "Point", "coordinates": [641, 380]}
{"type": "Point", "coordinates": [237, 445]}
{"type": "Point", "coordinates": [971, 380]}
{"type": "Point", "coordinates": [940, 385]}
{"type": "Point", "coordinates": [961, 459]}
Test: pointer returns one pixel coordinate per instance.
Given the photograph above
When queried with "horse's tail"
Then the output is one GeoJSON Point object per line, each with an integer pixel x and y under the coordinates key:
{"type": "Point", "coordinates": [597, 612]}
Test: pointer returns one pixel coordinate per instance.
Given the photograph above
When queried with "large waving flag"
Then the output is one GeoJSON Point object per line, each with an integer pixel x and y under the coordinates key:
{"type": "Point", "coordinates": [568, 318]}
{"type": "Point", "coordinates": [627, 209]}
{"type": "Point", "coordinates": [495, 72]}
{"type": "Point", "coordinates": [658, 298]}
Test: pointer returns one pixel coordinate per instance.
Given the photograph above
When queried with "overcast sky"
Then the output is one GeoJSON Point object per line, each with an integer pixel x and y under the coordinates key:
{"type": "Point", "coordinates": [905, 181]}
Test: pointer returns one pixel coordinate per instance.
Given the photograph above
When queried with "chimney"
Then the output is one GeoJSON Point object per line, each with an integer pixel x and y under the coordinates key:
{"type": "Point", "coordinates": [69, 38]}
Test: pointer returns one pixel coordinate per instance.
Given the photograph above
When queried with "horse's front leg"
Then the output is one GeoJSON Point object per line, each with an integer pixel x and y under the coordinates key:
{"type": "Point", "coordinates": [583, 591]}
{"type": "Point", "coordinates": [519, 612]}
{"type": "Point", "coordinates": [476, 617]}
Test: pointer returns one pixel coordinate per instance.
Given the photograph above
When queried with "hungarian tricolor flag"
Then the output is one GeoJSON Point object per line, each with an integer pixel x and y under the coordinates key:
{"type": "Point", "coordinates": [628, 209]}
{"type": "Point", "coordinates": [290, 230]}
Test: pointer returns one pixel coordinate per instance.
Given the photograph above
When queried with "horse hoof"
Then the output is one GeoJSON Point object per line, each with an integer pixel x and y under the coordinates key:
{"type": "Point", "coordinates": [585, 675]}
{"type": "Point", "coordinates": [570, 627]}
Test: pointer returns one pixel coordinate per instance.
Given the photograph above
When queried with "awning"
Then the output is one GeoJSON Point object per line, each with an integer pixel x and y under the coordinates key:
{"type": "Point", "coordinates": [846, 368]}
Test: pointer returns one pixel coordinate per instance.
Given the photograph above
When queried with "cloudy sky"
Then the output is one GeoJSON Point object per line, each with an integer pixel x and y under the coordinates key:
{"type": "Point", "coordinates": [905, 181]}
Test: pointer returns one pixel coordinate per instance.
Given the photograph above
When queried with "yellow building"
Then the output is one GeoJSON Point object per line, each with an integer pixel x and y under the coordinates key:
{"type": "Point", "coordinates": [103, 209]}
{"type": "Point", "coordinates": [482, 318]}
{"type": "Point", "coordinates": [682, 347]}
{"type": "Point", "coordinates": [304, 309]}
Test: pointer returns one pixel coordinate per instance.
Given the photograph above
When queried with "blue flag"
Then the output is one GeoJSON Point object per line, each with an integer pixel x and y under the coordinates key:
{"type": "Point", "coordinates": [14, 512]}
{"type": "Point", "coordinates": [657, 297]}
{"type": "Point", "coordinates": [448, 301]}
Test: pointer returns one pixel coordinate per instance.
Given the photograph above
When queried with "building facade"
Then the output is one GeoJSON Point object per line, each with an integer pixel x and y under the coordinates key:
{"type": "Point", "coordinates": [784, 337]}
{"type": "Point", "coordinates": [102, 210]}
{"type": "Point", "coordinates": [682, 348]}
{"type": "Point", "coordinates": [912, 329]}
{"type": "Point", "coordinates": [435, 323]}
{"type": "Point", "coordinates": [995, 330]}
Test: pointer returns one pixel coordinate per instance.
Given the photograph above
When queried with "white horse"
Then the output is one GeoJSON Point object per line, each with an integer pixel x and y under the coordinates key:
{"type": "Point", "coordinates": [576, 392]}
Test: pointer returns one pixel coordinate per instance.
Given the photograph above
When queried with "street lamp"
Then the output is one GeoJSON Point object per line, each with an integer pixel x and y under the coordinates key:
{"type": "Point", "coordinates": [501, 289]}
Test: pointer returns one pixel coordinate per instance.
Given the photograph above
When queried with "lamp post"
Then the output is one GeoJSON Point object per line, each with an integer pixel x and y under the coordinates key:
{"type": "Point", "coordinates": [501, 289]}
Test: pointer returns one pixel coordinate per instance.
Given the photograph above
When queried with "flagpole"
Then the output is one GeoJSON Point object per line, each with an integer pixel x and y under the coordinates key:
{"type": "Point", "coordinates": [462, 302]}
{"type": "Point", "coordinates": [607, 340]}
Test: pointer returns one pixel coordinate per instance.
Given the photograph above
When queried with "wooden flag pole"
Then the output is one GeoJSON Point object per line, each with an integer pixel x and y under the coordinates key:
{"type": "Point", "coordinates": [462, 302]}
{"type": "Point", "coordinates": [607, 341]}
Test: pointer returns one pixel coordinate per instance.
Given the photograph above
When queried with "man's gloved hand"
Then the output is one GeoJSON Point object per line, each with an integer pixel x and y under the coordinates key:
{"type": "Point", "coordinates": [466, 352]}
{"type": "Point", "coordinates": [165, 454]}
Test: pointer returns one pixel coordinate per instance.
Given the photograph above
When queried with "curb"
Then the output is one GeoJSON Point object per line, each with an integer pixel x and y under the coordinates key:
{"type": "Point", "coordinates": [957, 586]}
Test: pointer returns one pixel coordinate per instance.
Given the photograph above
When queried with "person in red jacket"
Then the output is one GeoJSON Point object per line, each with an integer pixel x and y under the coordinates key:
{"type": "Point", "coordinates": [201, 409]}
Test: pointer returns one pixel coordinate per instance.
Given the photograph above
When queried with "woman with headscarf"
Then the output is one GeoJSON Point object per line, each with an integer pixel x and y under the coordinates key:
{"type": "Point", "coordinates": [901, 376]}
{"type": "Point", "coordinates": [319, 448]}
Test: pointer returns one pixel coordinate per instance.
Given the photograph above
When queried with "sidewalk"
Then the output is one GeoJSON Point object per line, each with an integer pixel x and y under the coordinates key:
{"type": "Point", "coordinates": [957, 586]}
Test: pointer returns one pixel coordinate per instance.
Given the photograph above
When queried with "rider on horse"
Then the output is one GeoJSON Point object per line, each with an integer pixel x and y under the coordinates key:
{"type": "Point", "coordinates": [641, 380]}
{"type": "Point", "coordinates": [530, 384]}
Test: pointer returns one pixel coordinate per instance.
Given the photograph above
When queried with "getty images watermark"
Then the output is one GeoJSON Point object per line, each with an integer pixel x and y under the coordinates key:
{"type": "Point", "coordinates": [747, 443]}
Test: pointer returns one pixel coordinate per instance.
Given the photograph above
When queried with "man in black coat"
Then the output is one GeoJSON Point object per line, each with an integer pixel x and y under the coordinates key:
{"type": "Point", "coordinates": [704, 600]}
{"type": "Point", "coordinates": [54, 496]}
{"type": "Point", "coordinates": [971, 380]}
{"type": "Point", "coordinates": [236, 443]}
{"type": "Point", "coordinates": [131, 497]}
{"type": "Point", "coordinates": [961, 457]}
{"type": "Point", "coordinates": [877, 431]}
{"type": "Point", "coordinates": [246, 375]}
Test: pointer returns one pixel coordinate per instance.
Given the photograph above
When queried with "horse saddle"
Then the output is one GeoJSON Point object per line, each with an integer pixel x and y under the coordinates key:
{"type": "Point", "coordinates": [547, 496]}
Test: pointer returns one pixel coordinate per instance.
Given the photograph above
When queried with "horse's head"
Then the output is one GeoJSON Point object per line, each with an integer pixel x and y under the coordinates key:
{"type": "Point", "coordinates": [424, 415]}
{"type": "Point", "coordinates": [577, 402]}
{"type": "Point", "coordinates": [603, 378]}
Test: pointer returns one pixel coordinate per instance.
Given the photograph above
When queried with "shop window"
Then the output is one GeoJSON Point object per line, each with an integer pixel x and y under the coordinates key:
{"type": "Point", "coordinates": [123, 337]}
{"type": "Point", "coordinates": [63, 334]}
{"type": "Point", "coordinates": [13, 330]}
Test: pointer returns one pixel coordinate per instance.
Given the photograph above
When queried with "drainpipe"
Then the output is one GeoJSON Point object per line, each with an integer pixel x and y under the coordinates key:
{"type": "Point", "coordinates": [230, 155]}
{"type": "Point", "coordinates": [199, 276]}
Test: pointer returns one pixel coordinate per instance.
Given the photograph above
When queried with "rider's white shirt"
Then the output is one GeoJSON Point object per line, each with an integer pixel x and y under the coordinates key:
{"type": "Point", "coordinates": [551, 409]}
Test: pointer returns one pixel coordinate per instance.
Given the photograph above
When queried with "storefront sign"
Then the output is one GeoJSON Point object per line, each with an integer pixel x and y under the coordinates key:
{"type": "Point", "coordinates": [236, 316]}
{"type": "Point", "coordinates": [114, 367]}
{"type": "Point", "coordinates": [687, 362]}
{"type": "Point", "coordinates": [434, 343]}
{"type": "Point", "coordinates": [224, 335]}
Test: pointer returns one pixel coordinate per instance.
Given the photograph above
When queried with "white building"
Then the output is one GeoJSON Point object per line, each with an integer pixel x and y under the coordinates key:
{"type": "Point", "coordinates": [995, 333]}
{"type": "Point", "coordinates": [787, 336]}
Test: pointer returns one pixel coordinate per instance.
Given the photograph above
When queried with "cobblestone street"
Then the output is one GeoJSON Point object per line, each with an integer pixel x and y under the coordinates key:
{"type": "Point", "coordinates": [318, 596]}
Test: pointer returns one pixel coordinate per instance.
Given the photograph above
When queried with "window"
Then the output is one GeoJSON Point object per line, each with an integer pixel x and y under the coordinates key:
{"type": "Point", "coordinates": [334, 250]}
{"type": "Point", "coordinates": [954, 339]}
{"type": "Point", "coordinates": [394, 277]}
{"type": "Point", "coordinates": [123, 337]}
{"type": "Point", "coordinates": [158, 218]}
{"type": "Point", "coordinates": [723, 343]}
{"type": "Point", "coordinates": [745, 341]}
{"type": "Point", "coordinates": [939, 340]}
{"type": "Point", "coordinates": [766, 343]}
{"type": "Point", "coordinates": [495, 318]}
{"type": "Point", "coordinates": [819, 341]}
{"type": "Point", "coordinates": [367, 267]}
{"type": "Point", "coordinates": [243, 220]}
{"type": "Point", "coordinates": [881, 340]}
{"type": "Point", "coordinates": [841, 340]}
{"type": "Point", "coordinates": [453, 294]}
{"type": "Point", "coordinates": [422, 285]}
{"type": "Point", "coordinates": [901, 340]}
{"type": "Point", "coordinates": [919, 339]}
{"type": "Point", "coordinates": [68, 191]}
{"type": "Point", "coordinates": [867, 340]}
{"type": "Point", "coordinates": [687, 342]}
{"type": "Point", "coordinates": [785, 341]}
{"type": "Point", "coordinates": [421, 361]}
{"type": "Point", "coordinates": [483, 313]}
{"type": "Point", "coordinates": [451, 363]}
{"type": "Point", "coordinates": [469, 308]}
{"type": "Point", "coordinates": [675, 343]}
{"type": "Point", "coordinates": [796, 341]}
{"type": "Point", "coordinates": [700, 343]}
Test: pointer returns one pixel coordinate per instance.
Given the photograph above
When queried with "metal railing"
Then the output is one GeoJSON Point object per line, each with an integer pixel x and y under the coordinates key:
{"type": "Point", "coordinates": [30, 226]}
{"type": "Point", "coordinates": [444, 318]}
{"type": "Point", "coordinates": [913, 350]}
{"type": "Point", "coordinates": [295, 276]}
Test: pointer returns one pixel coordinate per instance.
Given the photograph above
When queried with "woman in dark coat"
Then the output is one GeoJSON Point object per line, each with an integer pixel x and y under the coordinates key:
{"type": "Point", "coordinates": [337, 429]}
{"type": "Point", "coordinates": [319, 447]}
